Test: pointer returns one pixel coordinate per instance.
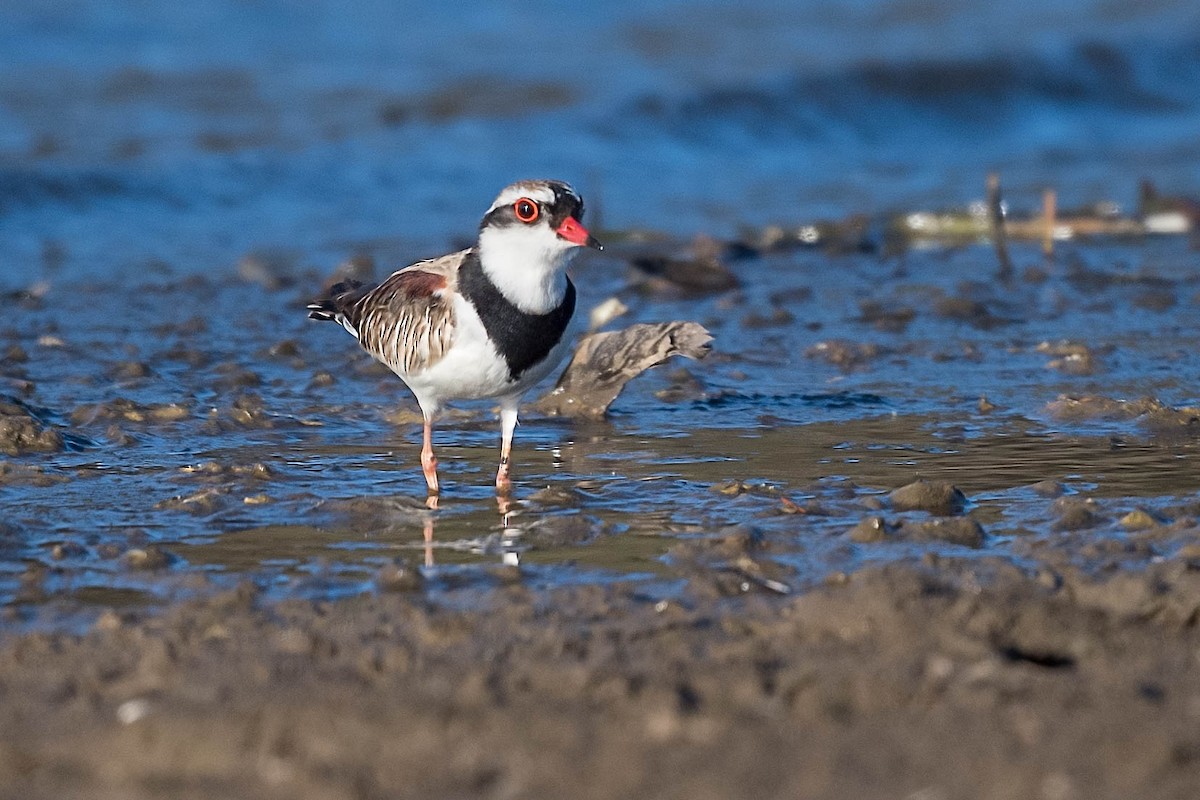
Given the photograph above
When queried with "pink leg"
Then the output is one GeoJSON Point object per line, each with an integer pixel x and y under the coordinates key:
{"type": "Point", "coordinates": [508, 422]}
{"type": "Point", "coordinates": [428, 459]}
{"type": "Point", "coordinates": [429, 536]}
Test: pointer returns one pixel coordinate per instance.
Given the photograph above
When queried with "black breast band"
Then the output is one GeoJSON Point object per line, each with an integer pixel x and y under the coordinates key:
{"type": "Point", "coordinates": [522, 339]}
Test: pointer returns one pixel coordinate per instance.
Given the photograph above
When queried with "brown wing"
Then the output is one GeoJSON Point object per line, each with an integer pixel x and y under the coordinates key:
{"type": "Point", "coordinates": [407, 322]}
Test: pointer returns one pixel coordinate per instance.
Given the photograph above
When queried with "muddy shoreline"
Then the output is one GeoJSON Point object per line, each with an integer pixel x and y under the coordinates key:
{"type": "Point", "coordinates": [930, 678]}
{"type": "Point", "coordinates": [938, 541]}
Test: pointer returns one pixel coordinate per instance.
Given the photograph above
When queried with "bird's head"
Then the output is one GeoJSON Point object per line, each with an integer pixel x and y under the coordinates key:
{"type": "Point", "coordinates": [536, 221]}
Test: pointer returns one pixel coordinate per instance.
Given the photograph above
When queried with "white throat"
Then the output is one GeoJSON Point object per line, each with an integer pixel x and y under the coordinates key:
{"type": "Point", "coordinates": [527, 265]}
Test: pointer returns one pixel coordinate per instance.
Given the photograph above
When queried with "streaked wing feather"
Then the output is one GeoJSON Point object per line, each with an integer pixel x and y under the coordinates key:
{"type": "Point", "coordinates": [407, 322]}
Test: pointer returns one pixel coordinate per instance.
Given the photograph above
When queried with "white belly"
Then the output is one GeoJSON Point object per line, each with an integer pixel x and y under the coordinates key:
{"type": "Point", "coordinates": [473, 368]}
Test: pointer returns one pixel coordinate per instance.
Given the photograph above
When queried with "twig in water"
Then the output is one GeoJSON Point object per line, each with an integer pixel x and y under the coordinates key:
{"type": "Point", "coordinates": [1049, 209]}
{"type": "Point", "coordinates": [996, 221]}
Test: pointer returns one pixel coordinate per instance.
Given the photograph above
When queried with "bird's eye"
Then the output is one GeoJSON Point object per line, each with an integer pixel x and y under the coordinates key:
{"type": "Point", "coordinates": [526, 210]}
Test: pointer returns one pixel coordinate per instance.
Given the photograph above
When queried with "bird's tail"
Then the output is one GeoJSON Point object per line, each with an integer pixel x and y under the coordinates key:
{"type": "Point", "coordinates": [339, 305]}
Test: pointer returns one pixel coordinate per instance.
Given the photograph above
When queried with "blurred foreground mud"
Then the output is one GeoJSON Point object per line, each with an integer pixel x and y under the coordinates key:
{"type": "Point", "coordinates": [938, 678]}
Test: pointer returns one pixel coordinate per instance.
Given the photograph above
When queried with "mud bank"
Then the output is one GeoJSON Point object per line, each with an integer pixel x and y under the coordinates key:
{"type": "Point", "coordinates": [936, 678]}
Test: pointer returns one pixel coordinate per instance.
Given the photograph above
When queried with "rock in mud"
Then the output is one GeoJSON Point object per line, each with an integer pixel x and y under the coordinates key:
{"type": "Point", "coordinates": [964, 309]}
{"type": "Point", "coordinates": [1155, 417]}
{"type": "Point", "coordinates": [684, 386]}
{"type": "Point", "coordinates": [200, 503]}
{"type": "Point", "coordinates": [737, 541]}
{"type": "Point", "coordinates": [151, 557]}
{"type": "Point", "coordinates": [400, 577]}
{"type": "Point", "coordinates": [14, 354]}
{"type": "Point", "coordinates": [888, 317]}
{"type": "Point", "coordinates": [844, 354]}
{"type": "Point", "coordinates": [1139, 520]}
{"type": "Point", "coordinates": [556, 496]}
{"type": "Point", "coordinates": [122, 409]}
{"type": "Point", "coordinates": [1075, 514]}
{"type": "Point", "coordinates": [1048, 488]}
{"type": "Point", "coordinates": [1158, 300]}
{"type": "Point", "coordinates": [777, 318]}
{"type": "Point", "coordinates": [21, 432]}
{"type": "Point", "coordinates": [249, 410]}
{"type": "Point", "coordinates": [1071, 358]}
{"type": "Point", "coordinates": [701, 272]}
{"type": "Point", "coordinates": [604, 362]}
{"type": "Point", "coordinates": [562, 530]}
{"type": "Point", "coordinates": [937, 497]}
{"type": "Point", "coordinates": [870, 530]}
{"type": "Point", "coordinates": [231, 376]}
{"type": "Point", "coordinates": [955, 530]}
{"type": "Point", "coordinates": [605, 313]}
{"type": "Point", "coordinates": [12, 474]}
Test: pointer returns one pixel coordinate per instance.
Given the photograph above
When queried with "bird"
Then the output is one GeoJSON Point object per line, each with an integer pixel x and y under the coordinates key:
{"type": "Point", "coordinates": [489, 321]}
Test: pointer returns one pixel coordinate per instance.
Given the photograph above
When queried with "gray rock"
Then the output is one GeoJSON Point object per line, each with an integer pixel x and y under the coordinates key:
{"type": "Point", "coordinates": [937, 497]}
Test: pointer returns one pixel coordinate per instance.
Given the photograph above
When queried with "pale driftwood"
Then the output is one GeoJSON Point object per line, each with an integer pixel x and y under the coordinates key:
{"type": "Point", "coordinates": [604, 362]}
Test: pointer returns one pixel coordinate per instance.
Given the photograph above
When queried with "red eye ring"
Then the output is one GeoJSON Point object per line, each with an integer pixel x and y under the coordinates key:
{"type": "Point", "coordinates": [526, 210]}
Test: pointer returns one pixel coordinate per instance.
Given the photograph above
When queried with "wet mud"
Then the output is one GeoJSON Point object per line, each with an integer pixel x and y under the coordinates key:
{"type": "Point", "coordinates": [923, 523]}
{"type": "Point", "coordinates": [936, 677]}
{"type": "Point", "coordinates": [839, 556]}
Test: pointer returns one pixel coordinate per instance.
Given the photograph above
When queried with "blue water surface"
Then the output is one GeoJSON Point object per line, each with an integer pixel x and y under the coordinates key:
{"type": "Point", "coordinates": [192, 133]}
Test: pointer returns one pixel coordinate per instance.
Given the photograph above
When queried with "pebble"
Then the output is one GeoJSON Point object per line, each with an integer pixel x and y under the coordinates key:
{"type": "Point", "coordinates": [400, 577]}
{"type": "Point", "coordinates": [1048, 488]}
{"type": "Point", "coordinates": [869, 530]}
{"type": "Point", "coordinates": [936, 497]}
{"type": "Point", "coordinates": [1138, 520]}
{"type": "Point", "coordinates": [955, 530]}
{"type": "Point", "coordinates": [1075, 513]}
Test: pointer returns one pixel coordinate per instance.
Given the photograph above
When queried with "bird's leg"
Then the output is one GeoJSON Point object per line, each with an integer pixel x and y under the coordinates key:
{"type": "Point", "coordinates": [508, 422]}
{"type": "Point", "coordinates": [429, 535]}
{"type": "Point", "coordinates": [428, 459]}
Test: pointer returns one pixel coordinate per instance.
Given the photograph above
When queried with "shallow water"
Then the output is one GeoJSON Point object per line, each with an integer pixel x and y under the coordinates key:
{"type": "Point", "coordinates": [259, 472]}
{"type": "Point", "coordinates": [143, 154]}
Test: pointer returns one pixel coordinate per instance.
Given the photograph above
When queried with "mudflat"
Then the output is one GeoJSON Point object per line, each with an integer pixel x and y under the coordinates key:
{"type": "Point", "coordinates": [932, 678]}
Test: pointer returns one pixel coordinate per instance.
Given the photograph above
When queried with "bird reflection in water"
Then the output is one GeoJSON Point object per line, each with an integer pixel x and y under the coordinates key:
{"type": "Point", "coordinates": [508, 533]}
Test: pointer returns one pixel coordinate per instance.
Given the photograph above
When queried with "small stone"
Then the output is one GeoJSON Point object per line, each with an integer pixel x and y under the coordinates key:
{"type": "Point", "coordinates": [151, 558]}
{"type": "Point", "coordinates": [937, 497]}
{"type": "Point", "coordinates": [872, 502]}
{"type": "Point", "coordinates": [108, 621]}
{"type": "Point", "coordinates": [1189, 552]}
{"type": "Point", "coordinates": [556, 496]}
{"type": "Point", "coordinates": [869, 530]}
{"type": "Point", "coordinates": [1074, 514]}
{"type": "Point", "coordinates": [130, 370]}
{"type": "Point", "coordinates": [285, 349]}
{"type": "Point", "coordinates": [293, 641]}
{"type": "Point", "coordinates": [560, 530]}
{"type": "Point", "coordinates": [1048, 488]}
{"type": "Point", "coordinates": [1138, 520]}
{"type": "Point", "coordinates": [1048, 578]}
{"type": "Point", "coordinates": [955, 530]}
{"type": "Point", "coordinates": [14, 354]}
{"type": "Point", "coordinates": [21, 433]}
{"type": "Point", "coordinates": [400, 577]}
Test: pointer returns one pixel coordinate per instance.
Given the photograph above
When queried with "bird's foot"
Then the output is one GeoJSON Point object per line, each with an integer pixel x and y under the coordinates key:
{"type": "Point", "coordinates": [503, 484]}
{"type": "Point", "coordinates": [429, 467]}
